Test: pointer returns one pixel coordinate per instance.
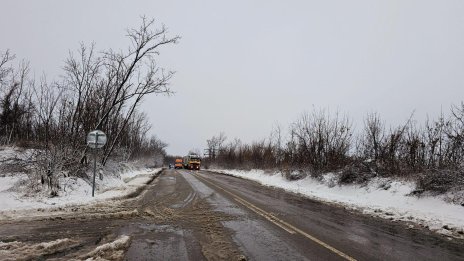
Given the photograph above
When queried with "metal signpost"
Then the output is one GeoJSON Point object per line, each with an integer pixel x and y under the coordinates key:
{"type": "Point", "coordinates": [95, 139]}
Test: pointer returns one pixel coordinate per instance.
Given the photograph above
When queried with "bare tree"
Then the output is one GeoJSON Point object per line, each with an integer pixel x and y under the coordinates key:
{"type": "Point", "coordinates": [276, 142]}
{"type": "Point", "coordinates": [5, 69]}
{"type": "Point", "coordinates": [215, 145]}
{"type": "Point", "coordinates": [109, 88]}
{"type": "Point", "coordinates": [13, 107]}
{"type": "Point", "coordinates": [374, 135]}
{"type": "Point", "coordinates": [455, 133]}
{"type": "Point", "coordinates": [322, 140]}
{"type": "Point", "coordinates": [46, 100]}
{"type": "Point", "coordinates": [82, 75]}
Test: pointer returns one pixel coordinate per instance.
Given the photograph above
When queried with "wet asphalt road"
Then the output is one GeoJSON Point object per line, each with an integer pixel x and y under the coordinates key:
{"type": "Point", "coordinates": [360, 237]}
{"type": "Point", "coordinates": [186, 215]}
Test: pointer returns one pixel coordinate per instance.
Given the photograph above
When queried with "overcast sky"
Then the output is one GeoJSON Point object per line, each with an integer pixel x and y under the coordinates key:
{"type": "Point", "coordinates": [243, 66]}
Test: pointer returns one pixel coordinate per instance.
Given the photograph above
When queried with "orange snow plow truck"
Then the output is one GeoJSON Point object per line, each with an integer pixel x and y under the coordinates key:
{"type": "Point", "coordinates": [178, 163]}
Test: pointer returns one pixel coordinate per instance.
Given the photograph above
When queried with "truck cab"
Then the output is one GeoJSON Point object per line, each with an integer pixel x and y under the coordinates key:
{"type": "Point", "coordinates": [192, 162]}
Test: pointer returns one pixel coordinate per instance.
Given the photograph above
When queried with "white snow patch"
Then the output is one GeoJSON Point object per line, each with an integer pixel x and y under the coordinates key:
{"type": "Point", "coordinates": [110, 251]}
{"type": "Point", "coordinates": [9, 181]}
{"type": "Point", "coordinates": [382, 197]}
{"type": "Point", "coordinates": [8, 154]}
{"type": "Point", "coordinates": [22, 251]}
{"type": "Point", "coordinates": [75, 191]}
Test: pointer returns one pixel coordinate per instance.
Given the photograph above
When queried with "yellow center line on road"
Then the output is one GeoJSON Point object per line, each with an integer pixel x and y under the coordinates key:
{"type": "Point", "coordinates": [277, 221]}
{"type": "Point", "coordinates": [264, 214]}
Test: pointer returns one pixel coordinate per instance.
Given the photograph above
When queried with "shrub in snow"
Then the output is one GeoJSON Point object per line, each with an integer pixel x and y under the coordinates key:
{"type": "Point", "coordinates": [358, 173]}
{"type": "Point", "coordinates": [295, 174]}
{"type": "Point", "coordinates": [440, 181]}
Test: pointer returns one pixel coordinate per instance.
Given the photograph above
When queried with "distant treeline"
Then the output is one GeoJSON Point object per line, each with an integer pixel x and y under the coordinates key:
{"type": "Point", "coordinates": [98, 90]}
{"type": "Point", "coordinates": [320, 142]}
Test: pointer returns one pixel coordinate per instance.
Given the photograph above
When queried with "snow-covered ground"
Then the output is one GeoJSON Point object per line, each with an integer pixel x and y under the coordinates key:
{"type": "Point", "coordinates": [75, 191]}
{"type": "Point", "coordinates": [21, 188]}
{"type": "Point", "coordinates": [382, 197]}
{"type": "Point", "coordinates": [15, 250]}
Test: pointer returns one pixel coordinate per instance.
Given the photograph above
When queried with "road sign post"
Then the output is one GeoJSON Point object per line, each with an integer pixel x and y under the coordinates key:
{"type": "Point", "coordinates": [95, 139]}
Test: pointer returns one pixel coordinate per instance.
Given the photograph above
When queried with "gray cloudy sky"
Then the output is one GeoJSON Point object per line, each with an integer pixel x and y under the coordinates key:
{"type": "Point", "coordinates": [243, 66]}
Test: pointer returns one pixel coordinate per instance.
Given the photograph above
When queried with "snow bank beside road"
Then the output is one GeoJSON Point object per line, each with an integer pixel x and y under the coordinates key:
{"type": "Point", "coordinates": [78, 191]}
{"type": "Point", "coordinates": [15, 250]}
{"type": "Point", "coordinates": [74, 191]}
{"type": "Point", "coordinates": [382, 197]}
{"type": "Point", "coordinates": [23, 194]}
{"type": "Point", "coordinates": [24, 251]}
